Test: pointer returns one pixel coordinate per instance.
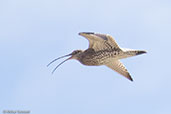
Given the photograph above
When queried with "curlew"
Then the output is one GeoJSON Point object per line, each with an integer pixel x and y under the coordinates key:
{"type": "Point", "coordinates": [103, 50]}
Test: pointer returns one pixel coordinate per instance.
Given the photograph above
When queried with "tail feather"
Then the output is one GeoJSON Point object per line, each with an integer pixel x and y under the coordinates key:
{"type": "Point", "coordinates": [139, 52]}
{"type": "Point", "coordinates": [132, 52]}
{"type": "Point", "coordinates": [135, 52]}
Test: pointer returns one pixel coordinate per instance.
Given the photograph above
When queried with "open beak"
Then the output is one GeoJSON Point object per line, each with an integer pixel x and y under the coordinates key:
{"type": "Point", "coordinates": [61, 62]}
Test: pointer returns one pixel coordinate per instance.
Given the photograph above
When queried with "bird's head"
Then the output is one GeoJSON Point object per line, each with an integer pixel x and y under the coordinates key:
{"type": "Point", "coordinates": [74, 55]}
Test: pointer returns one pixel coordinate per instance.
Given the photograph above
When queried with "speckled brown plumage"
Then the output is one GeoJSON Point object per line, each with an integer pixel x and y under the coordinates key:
{"type": "Point", "coordinates": [103, 50]}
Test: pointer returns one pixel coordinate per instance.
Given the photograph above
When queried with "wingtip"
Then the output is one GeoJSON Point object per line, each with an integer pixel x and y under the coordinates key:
{"type": "Point", "coordinates": [81, 33]}
{"type": "Point", "coordinates": [130, 78]}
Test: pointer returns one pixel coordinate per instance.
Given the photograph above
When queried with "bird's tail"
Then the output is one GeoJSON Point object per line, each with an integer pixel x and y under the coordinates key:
{"type": "Point", "coordinates": [136, 52]}
{"type": "Point", "coordinates": [131, 52]}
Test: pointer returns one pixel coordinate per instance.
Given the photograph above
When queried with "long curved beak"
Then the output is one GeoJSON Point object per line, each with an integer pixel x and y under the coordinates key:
{"type": "Point", "coordinates": [61, 62]}
{"type": "Point", "coordinates": [58, 58]}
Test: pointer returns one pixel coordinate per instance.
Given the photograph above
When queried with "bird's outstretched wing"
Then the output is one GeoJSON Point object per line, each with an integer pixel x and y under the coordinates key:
{"type": "Point", "coordinates": [120, 68]}
{"type": "Point", "coordinates": [100, 41]}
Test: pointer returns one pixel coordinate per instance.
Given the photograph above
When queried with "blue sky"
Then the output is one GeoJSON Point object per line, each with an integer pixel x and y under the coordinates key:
{"type": "Point", "coordinates": [34, 32]}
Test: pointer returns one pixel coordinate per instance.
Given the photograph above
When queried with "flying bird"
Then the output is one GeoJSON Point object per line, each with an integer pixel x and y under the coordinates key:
{"type": "Point", "coordinates": [102, 50]}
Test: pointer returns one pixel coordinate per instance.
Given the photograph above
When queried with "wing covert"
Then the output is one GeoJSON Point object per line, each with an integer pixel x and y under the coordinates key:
{"type": "Point", "coordinates": [120, 68]}
{"type": "Point", "coordinates": [99, 41]}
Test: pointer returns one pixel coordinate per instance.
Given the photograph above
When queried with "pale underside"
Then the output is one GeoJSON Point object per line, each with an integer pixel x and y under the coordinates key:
{"type": "Point", "coordinates": [101, 42]}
